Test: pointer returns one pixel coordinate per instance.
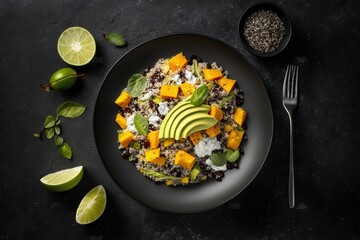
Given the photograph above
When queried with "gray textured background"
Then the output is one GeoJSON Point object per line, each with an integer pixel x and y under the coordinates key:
{"type": "Point", "coordinates": [326, 133]}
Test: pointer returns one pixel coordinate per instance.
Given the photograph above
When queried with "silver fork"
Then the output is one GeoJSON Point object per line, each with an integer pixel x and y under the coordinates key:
{"type": "Point", "coordinates": [290, 95]}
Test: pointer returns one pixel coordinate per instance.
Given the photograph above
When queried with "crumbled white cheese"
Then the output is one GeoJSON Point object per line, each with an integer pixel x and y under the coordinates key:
{"type": "Point", "coordinates": [130, 124]}
{"type": "Point", "coordinates": [163, 108]}
{"type": "Point", "coordinates": [206, 146]}
{"type": "Point", "coordinates": [215, 168]}
{"type": "Point", "coordinates": [190, 77]}
{"type": "Point", "coordinates": [154, 119]}
{"type": "Point", "coordinates": [176, 78]}
{"type": "Point", "coordinates": [146, 96]}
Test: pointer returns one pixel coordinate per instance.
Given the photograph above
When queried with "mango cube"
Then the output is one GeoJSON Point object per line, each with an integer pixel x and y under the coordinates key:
{"type": "Point", "coordinates": [125, 138]}
{"type": "Point", "coordinates": [184, 159]}
{"type": "Point", "coordinates": [121, 121]}
{"type": "Point", "coordinates": [211, 74]}
{"type": "Point", "coordinates": [213, 131]}
{"type": "Point", "coordinates": [123, 100]}
{"type": "Point", "coordinates": [187, 88]}
{"type": "Point", "coordinates": [216, 113]}
{"type": "Point", "coordinates": [169, 91]}
{"type": "Point", "coordinates": [153, 156]}
{"type": "Point", "coordinates": [239, 116]}
{"type": "Point", "coordinates": [177, 62]}
{"type": "Point", "coordinates": [226, 83]}
{"type": "Point", "coordinates": [195, 137]}
{"type": "Point", "coordinates": [168, 142]}
{"type": "Point", "coordinates": [153, 138]}
{"type": "Point", "coordinates": [234, 139]}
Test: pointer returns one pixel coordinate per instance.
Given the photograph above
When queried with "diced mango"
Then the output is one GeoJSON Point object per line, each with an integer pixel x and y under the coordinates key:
{"type": "Point", "coordinates": [121, 121]}
{"type": "Point", "coordinates": [226, 83]}
{"type": "Point", "coordinates": [169, 91]}
{"type": "Point", "coordinates": [228, 128]}
{"type": "Point", "coordinates": [123, 100]}
{"type": "Point", "coordinates": [125, 138]}
{"type": "Point", "coordinates": [239, 116]}
{"type": "Point", "coordinates": [153, 138]}
{"type": "Point", "coordinates": [168, 142]}
{"type": "Point", "coordinates": [153, 156]}
{"type": "Point", "coordinates": [187, 88]}
{"type": "Point", "coordinates": [211, 74]}
{"type": "Point", "coordinates": [184, 159]}
{"type": "Point", "coordinates": [177, 62]}
{"type": "Point", "coordinates": [213, 131]}
{"type": "Point", "coordinates": [185, 180]}
{"type": "Point", "coordinates": [169, 182]}
{"type": "Point", "coordinates": [234, 139]}
{"type": "Point", "coordinates": [195, 137]}
{"type": "Point", "coordinates": [216, 113]}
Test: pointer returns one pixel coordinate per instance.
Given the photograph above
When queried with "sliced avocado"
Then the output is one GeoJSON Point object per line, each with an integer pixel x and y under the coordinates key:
{"type": "Point", "coordinates": [169, 115]}
{"type": "Point", "coordinates": [204, 121]}
{"type": "Point", "coordinates": [184, 117]}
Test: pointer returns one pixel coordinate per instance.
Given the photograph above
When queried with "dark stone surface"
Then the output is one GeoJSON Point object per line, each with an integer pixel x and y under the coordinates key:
{"type": "Point", "coordinates": [326, 130]}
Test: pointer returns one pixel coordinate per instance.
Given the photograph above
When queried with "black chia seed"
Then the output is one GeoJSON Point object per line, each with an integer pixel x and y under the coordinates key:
{"type": "Point", "coordinates": [264, 31]}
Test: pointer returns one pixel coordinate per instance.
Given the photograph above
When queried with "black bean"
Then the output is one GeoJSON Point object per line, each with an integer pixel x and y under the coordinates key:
{"type": "Point", "coordinates": [125, 153]}
{"type": "Point", "coordinates": [146, 144]}
{"type": "Point", "coordinates": [218, 175]}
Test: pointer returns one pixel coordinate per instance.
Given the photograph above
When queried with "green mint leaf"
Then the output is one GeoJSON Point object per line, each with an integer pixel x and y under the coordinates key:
{"type": "Point", "coordinates": [218, 159]}
{"type": "Point", "coordinates": [115, 39]}
{"type": "Point", "coordinates": [49, 122]}
{"type": "Point", "coordinates": [141, 124]}
{"type": "Point", "coordinates": [58, 122]}
{"type": "Point", "coordinates": [57, 130]}
{"type": "Point", "coordinates": [70, 109]}
{"type": "Point", "coordinates": [65, 150]}
{"type": "Point", "coordinates": [199, 95]}
{"type": "Point", "coordinates": [137, 84]}
{"type": "Point", "coordinates": [58, 140]}
{"type": "Point", "coordinates": [231, 155]}
{"type": "Point", "coordinates": [49, 132]}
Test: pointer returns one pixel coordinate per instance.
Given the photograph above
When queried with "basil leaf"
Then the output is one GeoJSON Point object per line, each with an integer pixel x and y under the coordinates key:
{"type": "Point", "coordinates": [49, 122]}
{"type": "Point", "coordinates": [137, 84]}
{"type": "Point", "coordinates": [70, 109]}
{"type": "Point", "coordinates": [141, 124]}
{"type": "Point", "coordinates": [58, 140]}
{"type": "Point", "coordinates": [199, 95]}
{"type": "Point", "coordinates": [65, 150]}
{"type": "Point", "coordinates": [231, 155]}
{"type": "Point", "coordinates": [57, 130]}
{"type": "Point", "coordinates": [49, 132]}
{"type": "Point", "coordinates": [218, 159]}
{"type": "Point", "coordinates": [58, 122]}
{"type": "Point", "coordinates": [115, 39]}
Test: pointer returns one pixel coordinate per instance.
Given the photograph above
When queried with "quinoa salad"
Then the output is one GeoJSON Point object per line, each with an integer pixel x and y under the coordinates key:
{"type": "Point", "coordinates": [181, 121]}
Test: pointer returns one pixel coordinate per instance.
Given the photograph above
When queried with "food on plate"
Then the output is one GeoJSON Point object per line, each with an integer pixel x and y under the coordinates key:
{"type": "Point", "coordinates": [181, 121]}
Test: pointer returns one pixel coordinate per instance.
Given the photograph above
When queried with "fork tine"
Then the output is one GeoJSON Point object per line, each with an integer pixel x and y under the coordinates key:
{"type": "Point", "coordinates": [285, 80]}
{"type": "Point", "coordinates": [296, 81]}
{"type": "Point", "coordinates": [292, 82]}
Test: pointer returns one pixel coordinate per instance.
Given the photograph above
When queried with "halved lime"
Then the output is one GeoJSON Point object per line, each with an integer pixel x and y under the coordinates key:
{"type": "Point", "coordinates": [92, 206]}
{"type": "Point", "coordinates": [63, 180]}
{"type": "Point", "coordinates": [76, 46]}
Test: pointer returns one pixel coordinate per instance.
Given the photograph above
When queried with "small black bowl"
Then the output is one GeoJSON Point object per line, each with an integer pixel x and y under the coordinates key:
{"type": "Point", "coordinates": [281, 14]}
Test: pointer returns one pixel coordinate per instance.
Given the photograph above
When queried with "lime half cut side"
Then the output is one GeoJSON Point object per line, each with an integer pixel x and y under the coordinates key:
{"type": "Point", "coordinates": [92, 206]}
{"type": "Point", "coordinates": [63, 180]}
{"type": "Point", "coordinates": [76, 46]}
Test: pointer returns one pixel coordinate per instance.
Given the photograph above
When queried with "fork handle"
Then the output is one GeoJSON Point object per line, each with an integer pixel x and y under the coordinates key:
{"type": "Point", "coordinates": [291, 167]}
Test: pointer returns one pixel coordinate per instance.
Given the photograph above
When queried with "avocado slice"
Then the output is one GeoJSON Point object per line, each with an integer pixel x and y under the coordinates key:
{"type": "Point", "coordinates": [170, 114]}
{"type": "Point", "coordinates": [202, 122]}
{"type": "Point", "coordinates": [184, 117]}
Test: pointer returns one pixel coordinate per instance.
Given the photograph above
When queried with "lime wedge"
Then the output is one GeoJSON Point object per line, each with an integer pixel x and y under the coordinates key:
{"type": "Point", "coordinates": [76, 46]}
{"type": "Point", "coordinates": [92, 206]}
{"type": "Point", "coordinates": [63, 180]}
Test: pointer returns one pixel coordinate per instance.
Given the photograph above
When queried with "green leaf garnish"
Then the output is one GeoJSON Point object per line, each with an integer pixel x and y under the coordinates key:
{"type": "Point", "coordinates": [49, 132]}
{"type": "Point", "coordinates": [199, 95]}
{"type": "Point", "coordinates": [115, 39]}
{"type": "Point", "coordinates": [58, 140]}
{"type": "Point", "coordinates": [70, 109]}
{"type": "Point", "coordinates": [137, 84]}
{"type": "Point", "coordinates": [231, 155]}
{"type": "Point", "coordinates": [158, 175]}
{"type": "Point", "coordinates": [141, 124]}
{"type": "Point", "coordinates": [49, 122]}
{"type": "Point", "coordinates": [65, 150]}
{"type": "Point", "coordinates": [218, 159]}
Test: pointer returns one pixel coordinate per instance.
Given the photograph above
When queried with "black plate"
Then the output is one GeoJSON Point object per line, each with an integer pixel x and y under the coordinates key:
{"type": "Point", "coordinates": [210, 193]}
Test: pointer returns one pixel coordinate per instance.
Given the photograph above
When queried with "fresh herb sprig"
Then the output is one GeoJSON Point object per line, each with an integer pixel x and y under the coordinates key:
{"type": "Point", "coordinates": [52, 127]}
{"type": "Point", "coordinates": [115, 38]}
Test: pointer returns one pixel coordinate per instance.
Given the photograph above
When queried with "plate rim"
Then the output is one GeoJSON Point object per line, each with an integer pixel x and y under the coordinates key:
{"type": "Point", "coordinates": [154, 39]}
